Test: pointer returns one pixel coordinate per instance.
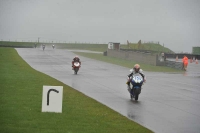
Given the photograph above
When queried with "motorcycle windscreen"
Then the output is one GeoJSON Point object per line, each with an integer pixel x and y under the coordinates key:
{"type": "Point", "coordinates": [137, 80]}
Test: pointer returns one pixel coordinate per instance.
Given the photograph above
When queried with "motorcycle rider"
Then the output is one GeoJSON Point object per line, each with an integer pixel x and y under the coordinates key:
{"type": "Point", "coordinates": [136, 69]}
{"type": "Point", "coordinates": [75, 59]}
{"type": "Point", "coordinates": [43, 46]}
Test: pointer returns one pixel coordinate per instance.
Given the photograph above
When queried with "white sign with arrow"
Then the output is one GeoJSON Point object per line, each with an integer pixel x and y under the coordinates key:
{"type": "Point", "coordinates": [52, 99]}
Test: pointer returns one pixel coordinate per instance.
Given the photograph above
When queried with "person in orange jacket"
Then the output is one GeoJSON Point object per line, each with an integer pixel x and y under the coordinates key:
{"type": "Point", "coordinates": [185, 62]}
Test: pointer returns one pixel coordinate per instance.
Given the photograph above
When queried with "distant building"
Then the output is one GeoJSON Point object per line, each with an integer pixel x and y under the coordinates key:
{"type": "Point", "coordinates": [114, 45]}
{"type": "Point", "coordinates": [196, 50]}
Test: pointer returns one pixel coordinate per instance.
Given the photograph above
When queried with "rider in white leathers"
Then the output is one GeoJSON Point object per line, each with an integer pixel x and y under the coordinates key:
{"type": "Point", "coordinates": [136, 69]}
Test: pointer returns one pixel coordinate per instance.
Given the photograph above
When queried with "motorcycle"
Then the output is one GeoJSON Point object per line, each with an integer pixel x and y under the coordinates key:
{"type": "Point", "coordinates": [76, 67]}
{"type": "Point", "coordinates": [43, 47]}
{"type": "Point", "coordinates": [136, 82]}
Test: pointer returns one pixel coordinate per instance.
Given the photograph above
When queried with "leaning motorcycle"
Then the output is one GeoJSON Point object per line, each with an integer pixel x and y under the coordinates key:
{"type": "Point", "coordinates": [136, 82]}
{"type": "Point", "coordinates": [76, 67]}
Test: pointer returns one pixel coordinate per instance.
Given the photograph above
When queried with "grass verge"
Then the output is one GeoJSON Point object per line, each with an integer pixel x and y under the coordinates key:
{"type": "Point", "coordinates": [127, 63]}
{"type": "Point", "coordinates": [154, 48]}
{"type": "Point", "coordinates": [21, 100]}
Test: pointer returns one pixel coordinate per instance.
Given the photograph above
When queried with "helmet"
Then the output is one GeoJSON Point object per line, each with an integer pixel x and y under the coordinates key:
{"type": "Point", "coordinates": [76, 56]}
{"type": "Point", "coordinates": [136, 68]}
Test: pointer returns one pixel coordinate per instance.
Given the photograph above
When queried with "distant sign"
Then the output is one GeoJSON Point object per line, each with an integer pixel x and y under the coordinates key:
{"type": "Point", "coordinates": [52, 99]}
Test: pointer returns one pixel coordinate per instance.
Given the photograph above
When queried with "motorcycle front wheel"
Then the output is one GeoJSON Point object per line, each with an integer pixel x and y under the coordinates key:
{"type": "Point", "coordinates": [75, 70]}
{"type": "Point", "coordinates": [137, 92]}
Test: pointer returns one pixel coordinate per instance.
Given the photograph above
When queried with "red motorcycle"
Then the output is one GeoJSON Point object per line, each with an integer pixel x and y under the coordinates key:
{"type": "Point", "coordinates": [76, 67]}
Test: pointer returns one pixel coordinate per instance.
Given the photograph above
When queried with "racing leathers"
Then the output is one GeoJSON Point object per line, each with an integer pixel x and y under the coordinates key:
{"type": "Point", "coordinates": [133, 72]}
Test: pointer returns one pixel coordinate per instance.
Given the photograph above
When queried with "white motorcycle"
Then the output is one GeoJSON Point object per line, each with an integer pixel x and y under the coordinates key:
{"type": "Point", "coordinates": [76, 67]}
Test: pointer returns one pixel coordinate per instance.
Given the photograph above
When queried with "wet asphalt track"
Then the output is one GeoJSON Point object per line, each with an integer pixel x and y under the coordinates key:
{"type": "Point", "coordinates": [169, 103]}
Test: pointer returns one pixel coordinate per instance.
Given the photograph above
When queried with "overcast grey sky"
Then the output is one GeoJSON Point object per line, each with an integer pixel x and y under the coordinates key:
{"type": "Point", "coordinates": [176, 23]}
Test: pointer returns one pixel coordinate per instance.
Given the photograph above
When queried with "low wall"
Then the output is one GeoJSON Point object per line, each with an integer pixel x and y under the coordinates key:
{"type": "Point", "coordinates": [134, 56]}
{"type": "Point", "coordinates": [143, 58]}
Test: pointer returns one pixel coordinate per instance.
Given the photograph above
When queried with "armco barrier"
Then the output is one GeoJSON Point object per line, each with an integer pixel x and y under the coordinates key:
{"type": "Point", "coordinates": [181, 55]}
{"type": "Point", "coordinates": [173, 64]}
